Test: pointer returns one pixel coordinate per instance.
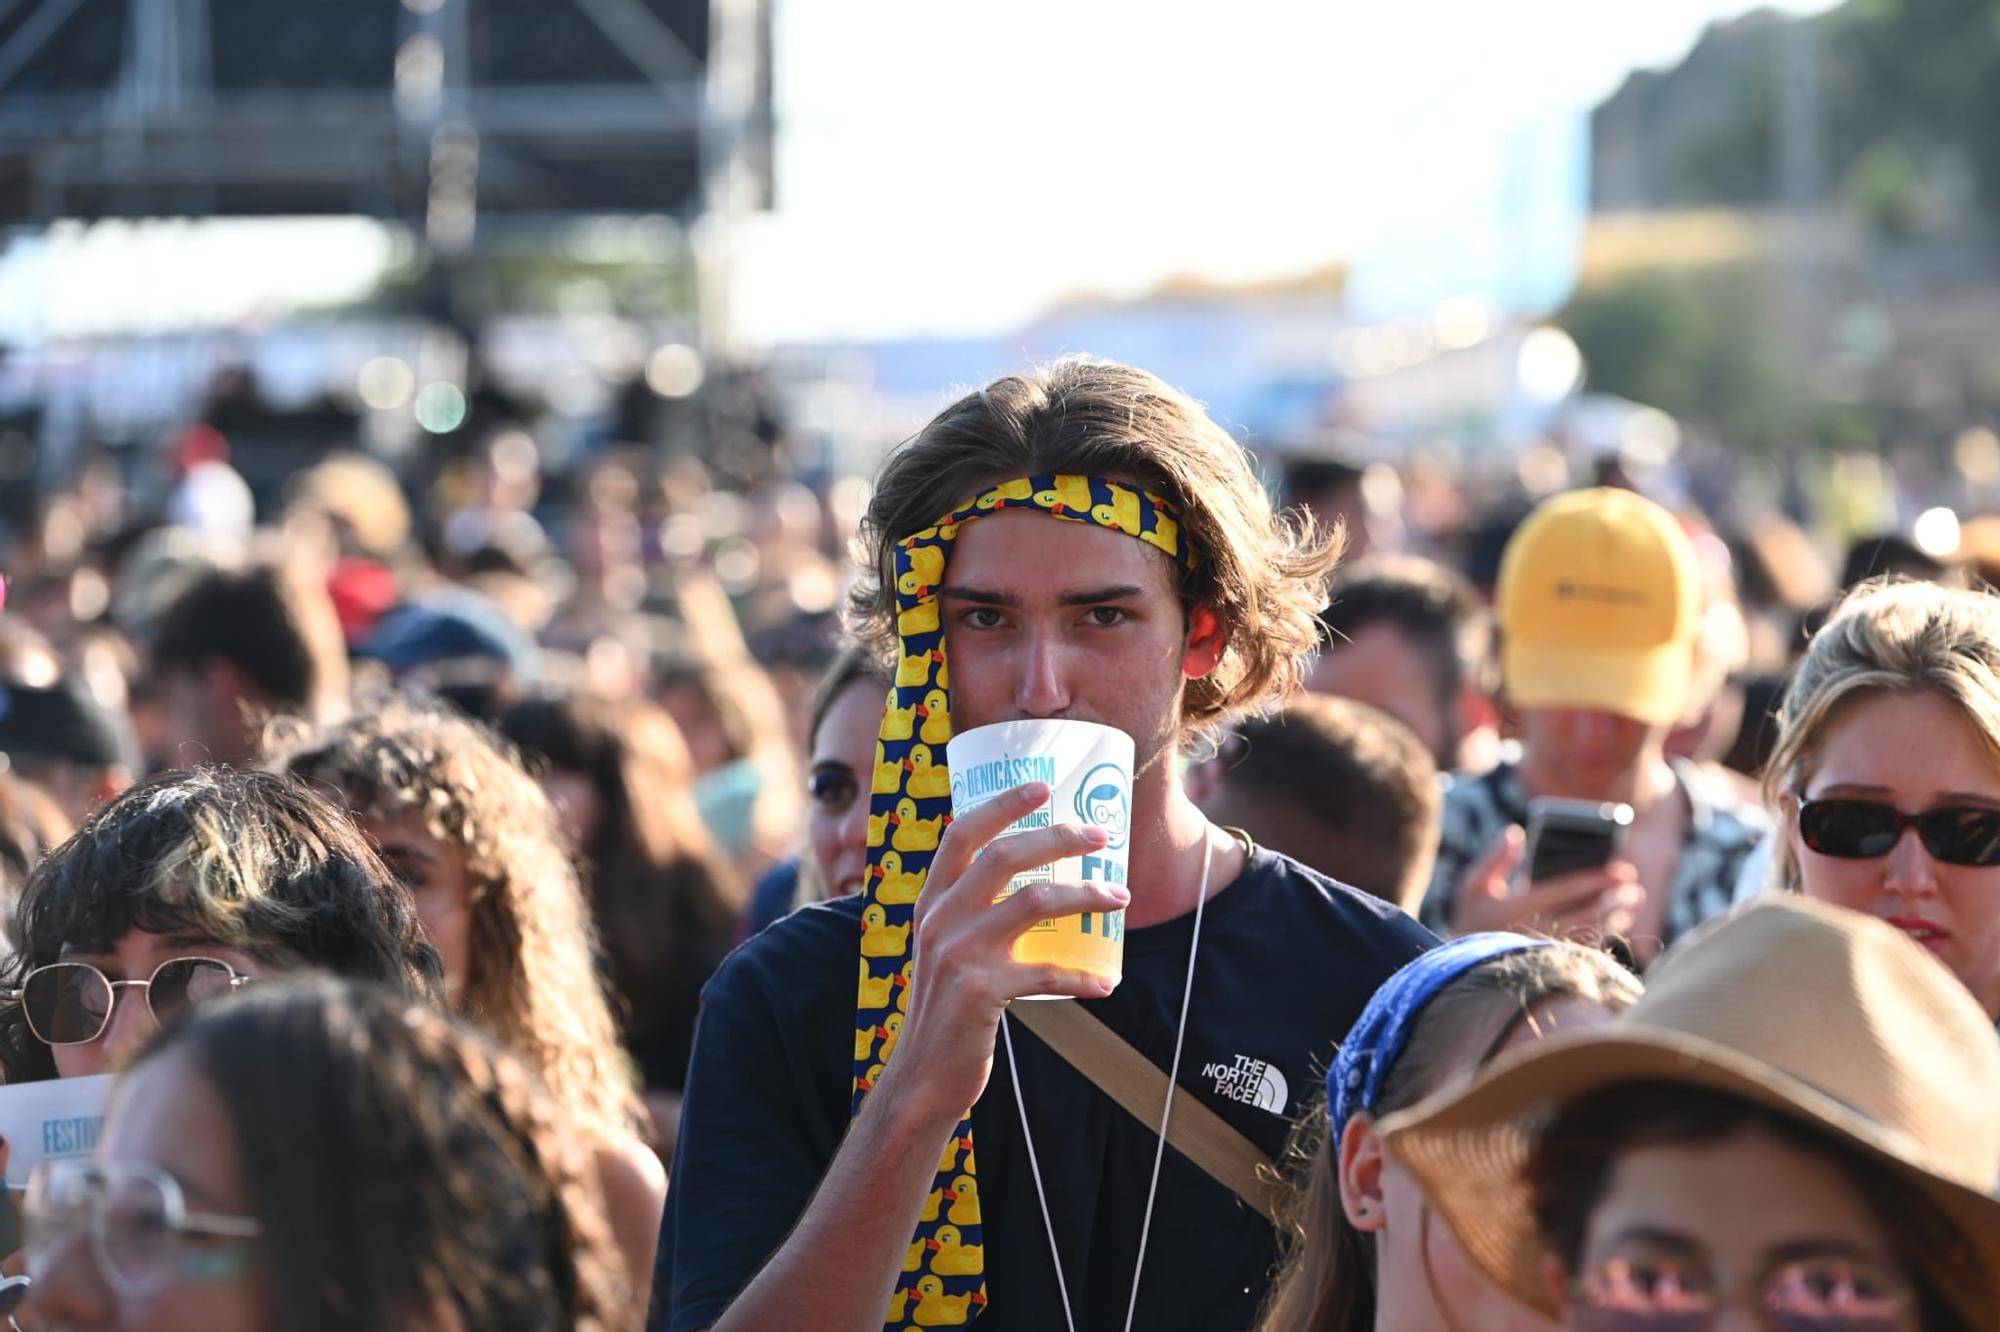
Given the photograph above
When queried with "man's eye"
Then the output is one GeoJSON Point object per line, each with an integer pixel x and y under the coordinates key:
{"type": "Point", "coordinates": [982, 617]}
{"type": "Point", "coordinates": [1106, 616]}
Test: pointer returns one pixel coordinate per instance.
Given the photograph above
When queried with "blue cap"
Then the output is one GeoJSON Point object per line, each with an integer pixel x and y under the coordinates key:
{"type": "Point", "coordinates": [1383, 1029]}
{"type": "Point", "coordinates": [448, 626]}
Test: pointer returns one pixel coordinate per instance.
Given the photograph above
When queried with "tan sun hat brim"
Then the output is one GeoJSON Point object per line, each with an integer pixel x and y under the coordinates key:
{"type": "Point", "coordinates": [1469, 1150]}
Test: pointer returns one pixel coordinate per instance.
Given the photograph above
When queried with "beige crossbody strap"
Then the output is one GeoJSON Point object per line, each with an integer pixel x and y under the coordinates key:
{"type": "Point", "coordinates": [1137, 1085]}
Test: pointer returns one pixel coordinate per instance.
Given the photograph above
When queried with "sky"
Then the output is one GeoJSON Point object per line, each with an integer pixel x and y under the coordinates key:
{"type": "Point", "coordinates": [956, 168]}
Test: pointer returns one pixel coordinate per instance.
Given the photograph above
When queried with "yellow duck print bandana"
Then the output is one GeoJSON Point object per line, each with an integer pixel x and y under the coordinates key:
{"type": "Point", "coordinates": [943, 1282]}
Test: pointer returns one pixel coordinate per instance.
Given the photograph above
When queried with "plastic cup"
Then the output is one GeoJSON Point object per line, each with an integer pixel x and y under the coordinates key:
{"type": "Point", "coordinates": [1088, 768]}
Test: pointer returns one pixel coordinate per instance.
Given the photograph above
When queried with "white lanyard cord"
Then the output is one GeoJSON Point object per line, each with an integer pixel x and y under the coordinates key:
{"type": "Point", "coordinates": [1035, 1171]}
{"type": "Point", "coordinates": [1166, 1115]}
{"type": "Point", "coordinates": [1173, 1079]}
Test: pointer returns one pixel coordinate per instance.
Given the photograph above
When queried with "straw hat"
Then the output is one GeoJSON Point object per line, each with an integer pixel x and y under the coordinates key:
{"type": "Point", "coordinates": [1825, 1016]}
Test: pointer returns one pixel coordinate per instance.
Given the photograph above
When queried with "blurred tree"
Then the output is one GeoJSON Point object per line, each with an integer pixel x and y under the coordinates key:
{"type": "Point", "coordinates": [1925, 74]}
{"type": "Point", "coordinates": [1704, 345]}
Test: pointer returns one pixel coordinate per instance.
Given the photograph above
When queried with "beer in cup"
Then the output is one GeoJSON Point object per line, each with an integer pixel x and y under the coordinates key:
{"type": "Point", "coordinates": [1088, 770]}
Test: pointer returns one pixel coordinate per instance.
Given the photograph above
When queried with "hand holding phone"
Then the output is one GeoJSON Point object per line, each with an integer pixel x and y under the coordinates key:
{"type": "Point", "coordinates": [1569, 835]}
{"type": "Point", "coordinates": [1496, 894]}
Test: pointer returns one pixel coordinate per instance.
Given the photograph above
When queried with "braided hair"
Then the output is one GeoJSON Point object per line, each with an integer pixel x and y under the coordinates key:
{"type": "Point", "coordinates": [399, 1160]}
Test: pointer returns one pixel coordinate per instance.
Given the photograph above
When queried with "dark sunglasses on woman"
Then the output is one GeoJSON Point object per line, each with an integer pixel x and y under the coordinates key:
{"type": "Point", "coordinates": [69, 1003]}
{"type": "Point", "coordinates": [1866, 829]}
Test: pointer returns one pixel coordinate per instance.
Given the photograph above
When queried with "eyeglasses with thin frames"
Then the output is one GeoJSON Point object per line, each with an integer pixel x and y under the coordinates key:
{"type": "Point", "coordinates": [70, 1003]}
{"type": "Point", "coordinates": [142, 1234]}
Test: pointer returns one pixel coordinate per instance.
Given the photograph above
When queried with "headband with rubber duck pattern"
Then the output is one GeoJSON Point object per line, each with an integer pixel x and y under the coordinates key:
{"type": "Point", "coordinates": [943, 1279]}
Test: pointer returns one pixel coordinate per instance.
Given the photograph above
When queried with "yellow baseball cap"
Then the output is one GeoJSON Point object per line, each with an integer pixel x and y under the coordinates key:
{"type": "Point", "coordinates": [1599, 604]}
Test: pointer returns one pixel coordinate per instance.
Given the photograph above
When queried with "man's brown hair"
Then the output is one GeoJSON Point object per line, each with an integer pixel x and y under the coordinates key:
{"type": "Point", "coordinates": [1367, 784]}
{"type": "Point", "coordinates": [1263, 576]}
{"type": "Point", "coordinates": [271, 622]}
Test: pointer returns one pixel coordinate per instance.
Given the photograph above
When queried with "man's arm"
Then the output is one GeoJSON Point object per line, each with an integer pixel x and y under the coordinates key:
{"type": "Point", "coordinates": [838, 1267]}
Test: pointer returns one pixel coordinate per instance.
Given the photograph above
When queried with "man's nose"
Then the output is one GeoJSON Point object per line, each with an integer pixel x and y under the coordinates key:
{"type": "Point", "coordinates": [1043, 689]}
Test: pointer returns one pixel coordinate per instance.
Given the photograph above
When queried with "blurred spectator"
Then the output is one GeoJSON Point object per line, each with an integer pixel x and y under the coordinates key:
{"type": "Point", "coordinates": [363, 500]}
{"type": "Point", "coordinates": [487, 500]}
{"type": "Point", "coordinates": [26, 655]}
{"type": "Point", "coordinates": [1716, 695]}
{"type": "Point", "coordinates": [393, 1169]}
{"type": "Point", "coordinates": [1599, 608]}
{"type": "Point", "coordinates": [1363, 502]}
{"type": "Point", "coordinates": [68, 744]}
{"type": "Point", "coordinates": [797, 652]}
{"type": "Point", "coordinates": [237, 649]}
{"type": "Point", "coordinates": [211, 497]}
{"type": "Point", "coordinates": [665, 900]}
{"type": "Point", "coordinates": [1409, 637]}
{"type": "Point", "coordinates": [1782, 575]}
{"type": "Point", "coordinates": [31, 824]}
{"type": "Point", "coordinates": [736, 732]}
{"type": "Point", "coordinates": [479, 846]}
{"type": "Point", "coordinates": [458, 645]}
{"type": "Point", "coordinates": [1338, 787]}
{"type": "Point", "coordinates": [1890, 555]}
{"type": "Point", "coordinates": [231, 875]}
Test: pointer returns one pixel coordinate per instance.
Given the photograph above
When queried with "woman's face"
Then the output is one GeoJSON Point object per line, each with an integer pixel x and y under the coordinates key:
{"type": "Point", "coordinates": [842, 758]}
{"type": "Point", "coordinates": [1916, 751]}
{"type": "Point", "coordinates": [1738, 1216]}
{"type": "Point", "coordinates": [1424, 1281]}
{"type": "Point", "coordinates": [168, 1118]}
{"type": "Point", "coordinates": [135, 957]}
{"type": "Point", "coordinates": [436, 876]}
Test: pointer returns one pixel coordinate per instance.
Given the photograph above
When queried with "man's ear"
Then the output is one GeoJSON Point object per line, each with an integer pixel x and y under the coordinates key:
{"type": "Point", "coordinates": [1360, 1165]}
{"type": "Point", "coordinates": [1205, 643]}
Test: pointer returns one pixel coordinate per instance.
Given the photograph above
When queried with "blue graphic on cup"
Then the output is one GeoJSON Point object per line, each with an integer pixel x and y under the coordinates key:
{"type": "Point", "coordinates": [1104, 798]}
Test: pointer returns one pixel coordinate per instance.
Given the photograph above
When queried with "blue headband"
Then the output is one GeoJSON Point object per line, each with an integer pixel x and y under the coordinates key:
{"type": "Point", "coordinates": [1383, 1029]}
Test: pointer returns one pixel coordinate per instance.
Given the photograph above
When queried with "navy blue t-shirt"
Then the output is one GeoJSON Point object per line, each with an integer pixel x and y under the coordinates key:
{"type": "Point", "coordinates": [1288, 960]}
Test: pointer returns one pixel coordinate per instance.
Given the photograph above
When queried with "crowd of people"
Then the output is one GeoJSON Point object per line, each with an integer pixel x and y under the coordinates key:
{"type": "Point", "coordinates": [496, 892]}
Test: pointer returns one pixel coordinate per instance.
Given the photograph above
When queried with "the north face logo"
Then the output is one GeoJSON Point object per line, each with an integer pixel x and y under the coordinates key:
{"type": "Point", "coordinates": [1251, 1081]}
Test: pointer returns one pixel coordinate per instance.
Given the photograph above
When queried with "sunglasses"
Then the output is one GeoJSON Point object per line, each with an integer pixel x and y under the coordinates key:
{"type": "Point", "coordinates": [69, 1003]}
{"type": "Point", "coordinates": [1811, 1295]}
{"type": "Point", "coordinates": [1866, 829]}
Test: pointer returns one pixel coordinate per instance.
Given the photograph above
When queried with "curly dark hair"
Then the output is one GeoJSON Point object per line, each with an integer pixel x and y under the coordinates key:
{"type": "Point", "coordinates": [439, 1169]}
{"type": "Point", "coordinates": [250, 860]}
{"type": "Point", "coordinates": [531, 979]}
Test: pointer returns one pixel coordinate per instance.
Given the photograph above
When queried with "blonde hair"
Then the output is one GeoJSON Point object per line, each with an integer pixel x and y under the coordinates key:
{"type": "Point", "coordinates": [1263, 576]}
{"type": "Point", "coordinates": [1886, 637]}
{"type": "Point", "coordinates": [1326, 1276]}
{"type": "Point", "coordinates": [531, 973]}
